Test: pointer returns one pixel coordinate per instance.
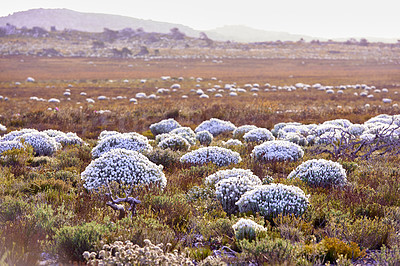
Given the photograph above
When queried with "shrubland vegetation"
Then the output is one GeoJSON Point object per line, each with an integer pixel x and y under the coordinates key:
{"type": "Point", "coordinates": [83, 198]}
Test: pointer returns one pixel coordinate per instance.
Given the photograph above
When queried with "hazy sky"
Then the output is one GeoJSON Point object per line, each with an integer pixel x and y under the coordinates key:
{"type": "Point", "coordinates": [320, 18]}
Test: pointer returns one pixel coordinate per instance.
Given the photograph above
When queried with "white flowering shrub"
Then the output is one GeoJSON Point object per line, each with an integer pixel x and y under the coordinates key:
{"type": "Point", "coordinates": [228, 191]}
{"type": "Point", "coordinates": [64, 138]}
{"type": "Point", "coordinates": [216, 155]}
{"type": "Point", "coordinates": [175, 143]}
{"type": "Point", "coordinates": [327, 128]}
{"type": "Point", "coordinates": [274, 199]}
{"type": "Point", "coordinates": [296, 138]}
{"type": "Point", "coordinates": [164, 126]}
{"type": "Point", "coordinates": [126, 167]}
{"type": "Point", "coordinates": [9, 145]}
{"type": "Point", "coordinates": [42, 144]}
{"type": "Point", "coordinates": [130, 141]}
{"type": "Point", "coordinates": [213, 179]}
{"type": "Point", "coordinates": [329, 137]}
{"type": "Point", "coordinates": [120, 253]}
{"type": "Point", "coordinates": [248, 229]}
{"type": "Point", "coordinates": [232, 143]}
{"type": "Point", "coordinates": [161, 137]}
{"type": "Point", "coordinates": [105, 133]}
{"type": "Point", "coordinates": [186, 133]}
{"type": "Point", "coordinates": [3, 128]}
{"type": "Point", "coordinates": [277, 150]}
{"type": "Point", "coordinates": [216, 126]}
{"type": "Point", "coordinates": [356, 129]}
{"type": "Point", "coordinates": [240, 131]}
{"type": "Point", "coordinates": [320, 173]}
{"type": "Point", "coordinates": [339, 122]}
{"type": "Point", "coordinates": [383, 118]}
{"type": "Point", "coordinates": [279, 126]}
{"type": "Point", "coordinates": [258, 135]}
{"type": "Point", "coordinates": [17, 133]}
{"type": "Point", "coordinates": [69, 138]}
{"type": "Point", "coordinates": [204, 137]}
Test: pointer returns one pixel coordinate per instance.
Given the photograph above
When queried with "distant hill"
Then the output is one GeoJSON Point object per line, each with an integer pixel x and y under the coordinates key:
{"type": "Point", "coordinates": [246, 34]}
{"type": "Point", "coordinates": [94, 22]}
{"type": "Point", "coordinates": [90, 22]}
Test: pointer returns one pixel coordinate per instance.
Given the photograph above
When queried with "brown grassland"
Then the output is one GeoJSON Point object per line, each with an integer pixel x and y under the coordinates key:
{"type": "Point", "coordinates": [47, 215]}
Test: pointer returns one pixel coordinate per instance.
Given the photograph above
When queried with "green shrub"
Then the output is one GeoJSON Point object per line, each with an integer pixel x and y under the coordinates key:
{"type": "Point", "coordinates": [71, 241]}
{"type": "Point", "coordinates": [168, 158]}
{"type": "Point", "coordinates": [335, 247]}
{"type": "Point", "coordinates": [12, 208]}
{"type": "Point", "coordinates": [269, 251]}
{"type": "Point", "coordinates": [199, 254]}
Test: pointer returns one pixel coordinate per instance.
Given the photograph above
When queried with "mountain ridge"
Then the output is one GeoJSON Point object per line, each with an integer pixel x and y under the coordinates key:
{"type": "Point", "coordinates": [63, 18]}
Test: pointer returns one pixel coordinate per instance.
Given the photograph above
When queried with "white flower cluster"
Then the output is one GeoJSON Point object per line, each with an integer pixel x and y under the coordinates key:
{"type": "Point", "coordinates": [280, 126]}
{"type": "Point", "coordinates": [2, 128]}
{"type": "Point", "coordinates": [164, 126]}
{"type": "Point", "coordinates": [106, 133]}
{"type": "Point", "coordinates": [14, 134]}
{"type": "Point", "coordinates": [64, 138]}
{"type": "Point", "coordinates": [327, 128]}
{"type": "Point", "coordinates": [186, 133]}
{"type": "Point", "coordinates": [216, 155]}
{"type": "Point", "coordinates": [277, 150]}
{"type": "Point", "coordinates": [356, 129]}
{"type": "Point", "coordinates": [229, 191]}
{"type": "Point", "coordinates": [130, 141]}
{"type": "Point", "coordinates": [213, 179]}
{"type": "Point", "coordinates": [274, 199]}
{"type": "Point", "coordinates": [232, 143]}
{"type": "Point", "coordinates": [9, 145]}
{"type": "Point", "coordinates": [258, 135]}
{"type": "Point", "coordinates": [240, 131]}
{"type": "Point", "coordinates": [247, 229]}
{"type": "Point", "coordinates": [216, 126]}
{"type": "Point", "coordinates": [204, 137]}
{"type": "Point", "coordinates": [124, 167]}
{"type": "Point", "coordinates": [174, 142]}
{"type": "Point", "coordinates": [42, 144]}
{"type": "Point", "coordinates": [320, 173]}
{"type": "Point", "coordinates": [339, 123]}
{"type": "Point", "coordinates": [127, 253]}
{"type": "Point", "coordinates": [296, 138]}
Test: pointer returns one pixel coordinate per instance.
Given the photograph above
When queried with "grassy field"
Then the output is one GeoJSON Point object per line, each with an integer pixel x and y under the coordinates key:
{"type": "Point", "coordinates": [46, 214]}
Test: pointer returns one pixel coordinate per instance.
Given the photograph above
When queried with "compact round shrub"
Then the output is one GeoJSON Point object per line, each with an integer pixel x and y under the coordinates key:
{"type": "Point", "coordinates": [164, 126]}
{"type": "Point", "coordinates": [277, 150]}
{"type": "Point", "coordinates": [213, 179]}
{"type": "Point", "coordinates": [216, 126]}
{"type": "Point", "coordinates": [105, 133]}
{"type": "Point", "coordinates": [240, 131]}
{"type": "Point", "coordinates": [258, 135]}
{"type": "Point", "coordinates": [204, 137]}
{"type": "Point", "coordinates": [64, 139]}
{"type": "Point", "coordinates": [42, 144]}
{"type": "Point", "coordinates": [124, 167]}
{"type": "Point", "coordinates": [161, 137]}
{"type": "Point", "coordinates": [229, 191]}
{"type": "Point", "coordinates": [9, 145]}
{"type": "Point", "coordinates": [17, 133]}
{"type": "Point", "coordinates": [129, 141]}
{"type": "Point", "coordinates": [327, 128]}
{"type": "Point", "coordinates": [69, 139]}
{"type": "Point", "coordinates": [175, 143]}
{"type": "Point", "coordinates": [216, 155]}
{"type": "Point", "coordinates": [248, 229]}
{"type": "Point", "coordinates": [280, 126]}
{"type": "Point", "coordinates": [232, 143]}
{"type": "Point", "coordinates": [186, 133]}
{"type": "Point", "coordinates": [296, 138]}
{"type": "Point", "coordinates": [320, 173]}
{"type": "Point", "coordinates": [274, 199]}
{"type": "Point", "coordinates": [339, 122]}
{"type": "Point", "coordinates": [356, 129]}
